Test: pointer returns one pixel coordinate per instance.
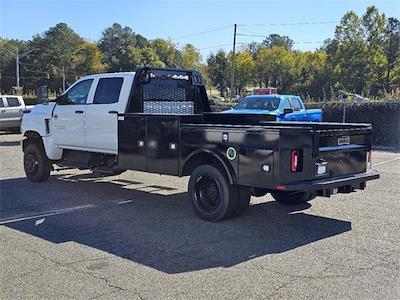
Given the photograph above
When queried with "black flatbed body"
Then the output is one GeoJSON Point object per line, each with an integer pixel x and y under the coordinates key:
{"type": "Point", "coordinates": [253, 150]}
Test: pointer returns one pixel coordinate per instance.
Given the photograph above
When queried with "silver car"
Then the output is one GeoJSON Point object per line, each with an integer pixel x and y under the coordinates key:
{"type": "Point", "coordinates": [11, 110]}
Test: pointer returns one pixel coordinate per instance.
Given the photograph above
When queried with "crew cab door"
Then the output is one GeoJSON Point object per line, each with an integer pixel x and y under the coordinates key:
{"type": "Point", "coordinates": [101, 126]}
{"type": "Point", "coordinates": [68, 122]}
{"type": "Point", "coordinates": [299, 112]}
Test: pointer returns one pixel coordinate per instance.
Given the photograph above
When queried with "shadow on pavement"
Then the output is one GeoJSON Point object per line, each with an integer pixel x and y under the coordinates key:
{"type": "Point", "coordinates": [153, 229]}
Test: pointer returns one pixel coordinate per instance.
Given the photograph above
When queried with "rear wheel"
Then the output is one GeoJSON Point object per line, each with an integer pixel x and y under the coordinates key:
{"type": "Point", "coordinates": [36, 164]}
{"type": "Point", "coordinates": [212, 197]}
{"type": "Point", "coordinates": [293, 198]}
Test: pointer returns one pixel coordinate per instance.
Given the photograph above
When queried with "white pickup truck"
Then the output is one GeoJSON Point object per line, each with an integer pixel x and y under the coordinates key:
{"type": "Point", "coordinates": [11, 109]}
{"type": "Point", "coordinates": [160, 121]}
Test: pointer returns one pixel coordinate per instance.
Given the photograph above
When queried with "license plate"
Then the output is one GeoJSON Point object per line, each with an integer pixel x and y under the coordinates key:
{"type": "Point", "coordinates": [321, 168]}
{"type": "Point", "coordinates": [344, 140]}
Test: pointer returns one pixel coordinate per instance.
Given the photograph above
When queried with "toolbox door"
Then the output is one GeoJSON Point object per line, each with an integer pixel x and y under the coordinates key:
{"type": "Point", "coordinates": [162, 144]}
{"type": "Point", "coordinates": [131, 143]}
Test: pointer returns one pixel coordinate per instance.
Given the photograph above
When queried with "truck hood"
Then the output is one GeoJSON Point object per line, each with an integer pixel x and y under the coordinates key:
{"type": "Point", "coordinates": [43, 109]}
{"type": "Point", "coordinates": [252, 111]}
{"type": "Point", "coordinates": [34, 119]}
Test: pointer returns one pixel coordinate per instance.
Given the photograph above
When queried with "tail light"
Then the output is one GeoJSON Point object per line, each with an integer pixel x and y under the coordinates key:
{"type": "Point", "coordinates": [295, 161]}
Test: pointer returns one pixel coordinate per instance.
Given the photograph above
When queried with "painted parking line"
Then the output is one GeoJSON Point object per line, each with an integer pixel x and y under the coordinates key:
{"type": "Point", "coordinates": [387, 161]}
{"type": "Point", "coordinates": [46, 214]}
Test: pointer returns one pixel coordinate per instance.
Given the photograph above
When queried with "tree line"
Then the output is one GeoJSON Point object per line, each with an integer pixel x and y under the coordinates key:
{"type": "Point", "coordinates": [363, 57]}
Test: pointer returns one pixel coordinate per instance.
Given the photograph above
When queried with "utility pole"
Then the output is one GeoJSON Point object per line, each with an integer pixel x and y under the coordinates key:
{"type": "Point", "coordinates": [17, 70]}
{"type": "Point", "coordinates": [233, 63]}
{"type": "Point", "coordinates": [17, 58]}
{"type": "Point", "coordinates": [63, 77]}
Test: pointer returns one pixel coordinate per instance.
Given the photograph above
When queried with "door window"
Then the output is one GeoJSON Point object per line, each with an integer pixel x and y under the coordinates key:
{"type": "Point", "coordinates": [295, 104]}
{"type": "Point", "coordinates": [285, 103]}
{"type": "Point", "coordinates": [78, 94]}
{"type": "Point", "coordinates": [1, 103]}
{"type": "Point", "coordinates": [108, 90]}
{"type": "Point", "coordinates": [13, 102]}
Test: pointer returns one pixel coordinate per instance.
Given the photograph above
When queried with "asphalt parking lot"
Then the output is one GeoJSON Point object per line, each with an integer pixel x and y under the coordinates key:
{"type": "Point", "coordinates": [134, 236]}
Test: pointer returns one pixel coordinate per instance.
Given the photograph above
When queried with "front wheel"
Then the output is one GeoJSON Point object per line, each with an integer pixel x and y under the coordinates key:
{"type": "Point", "coordinates": [212, 197]}
{"type": "Point", "coordinates": [36, 164]}
{"type": "Point", "coordinates": [293, 198]}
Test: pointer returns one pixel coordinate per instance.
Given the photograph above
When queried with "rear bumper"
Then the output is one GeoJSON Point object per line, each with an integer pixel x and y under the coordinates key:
{"type": "Point", "coordinates": [328, 186]}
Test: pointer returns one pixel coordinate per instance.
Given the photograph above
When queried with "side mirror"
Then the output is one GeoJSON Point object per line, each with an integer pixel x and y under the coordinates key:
{"type": "Point", "coordinates": [62, 100]}
{"type": "Point", "coordinates": [287, 111]}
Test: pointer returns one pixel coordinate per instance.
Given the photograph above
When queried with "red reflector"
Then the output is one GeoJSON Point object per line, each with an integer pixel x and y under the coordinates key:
{"type": "Point", "coordinates": [294, 161]}
{"type": "Point", "coordinates": [280, 187]}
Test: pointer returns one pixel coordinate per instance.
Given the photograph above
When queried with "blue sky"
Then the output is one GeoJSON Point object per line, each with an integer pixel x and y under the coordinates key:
{"type": "Point", "coordinates": [21, 19]}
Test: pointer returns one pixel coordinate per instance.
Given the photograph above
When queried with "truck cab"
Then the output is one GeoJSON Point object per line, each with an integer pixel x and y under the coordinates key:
{"type": "Point", "coordinates": [84, 117]}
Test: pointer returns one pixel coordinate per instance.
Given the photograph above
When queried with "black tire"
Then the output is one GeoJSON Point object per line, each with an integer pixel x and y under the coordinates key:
{"type": "Point", "coordinates": [258, 192]}
{"type": "Point", "coordinates": [36, 164]}
{"type": "Point", "coordinates": [243, 200]}
{"type": "Point", "coordinates": [293, 198]}
{"type": "Point", "coordinates": [212, 197]}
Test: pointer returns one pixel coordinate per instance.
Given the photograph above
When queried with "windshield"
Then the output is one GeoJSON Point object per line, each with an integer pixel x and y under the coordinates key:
{"type": "Point", "coordinates": [263, 103]}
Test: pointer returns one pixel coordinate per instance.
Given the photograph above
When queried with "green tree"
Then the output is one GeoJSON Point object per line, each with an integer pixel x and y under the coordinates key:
{"type": "Point", "coordinates": [217, 71]}
{"type": "Point", "coordinates": [8, 50]}
{"type": "Point", "coordinates": [143, 57]}
{"type": "Point", "coordinates": [311, 77]}
{"type": "Point", "coordinates": [88, 60]}
{"type": "Point", "coordinates": [356, 55]}
{"type": "Point", "coordinates": [167, 52]}
{"type": "Point", "coordinates": [279, 41]}
{"type": "Point", "coordinates": [392, 51]}
{"type": "Point", "coordinates": [275, 67]}
{"type": "Point", "coordinates": [191, 57]}
{"type": "Point", "coordinates": [347, 55]}
{"type": "Point", "coordinates": [52, 51]}
{"type": "Point", "coordinates": [375, 34]}
{"type": "Point", "coordinates": [114, 45]}
{"type": "Point", "coordinates": [245, 68]}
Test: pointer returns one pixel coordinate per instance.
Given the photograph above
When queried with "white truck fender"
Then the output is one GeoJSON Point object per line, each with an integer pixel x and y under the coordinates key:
{"type": "Point", "coordinates": [38, 120]}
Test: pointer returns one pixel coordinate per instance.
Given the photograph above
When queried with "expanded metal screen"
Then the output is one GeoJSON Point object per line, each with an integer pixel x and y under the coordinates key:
{"type": "Point", "coordinates": [168, 93]}
{"type": "Point", "coordinates": [168, 107]}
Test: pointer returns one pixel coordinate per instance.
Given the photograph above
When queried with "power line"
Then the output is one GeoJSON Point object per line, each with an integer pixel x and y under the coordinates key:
{"type": "Point", "coordinates": [293, 24]}
{"type": "Point", "coordinates": [201, 32]}
{"type": "Point", "coordinates": [249, 31]}
{"type": "Point", "coordinates": [222, 45]}
{"type": "Point", "coordinates": [264, 36]}
{"type": "Point", "coordinates": [258, 25]}
{"type": "Point", "coordinates": [216, 46]}
{"type": "Point", "coordinates": [256, 35]}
